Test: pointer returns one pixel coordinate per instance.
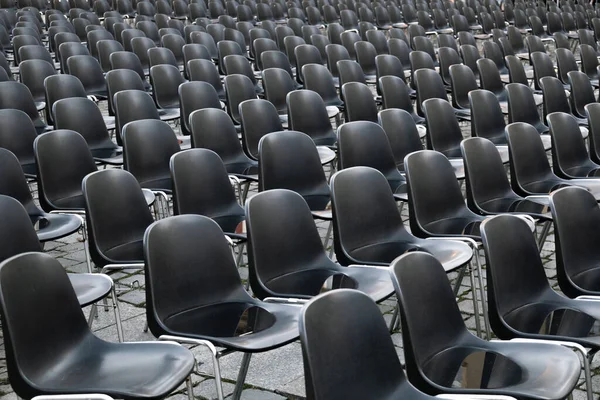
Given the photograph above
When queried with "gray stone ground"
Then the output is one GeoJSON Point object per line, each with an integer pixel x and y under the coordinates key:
{"type": "Point", "coordinates": [274, 375]}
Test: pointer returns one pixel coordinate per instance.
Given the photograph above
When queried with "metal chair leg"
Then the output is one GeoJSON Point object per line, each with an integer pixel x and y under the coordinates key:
{"type": "Point", "coordinates": [117, 312]}
{"type": "Point", "coordinates": [486, 319]}
{"type": "Point", "coordinates": [239, 384]}
{"type": "Point", "coordinates": [93, 313]}
{"type": "Point", "coordinates": [189, 387]}
{"type": "Point", "coordinates": [475, 305]}
{"type": "Point", "coordinates": [544, 234]}
{"type": "Point", "coordinates": [327, 236]}
{"type": "Point", "coordinates": [395, 318]}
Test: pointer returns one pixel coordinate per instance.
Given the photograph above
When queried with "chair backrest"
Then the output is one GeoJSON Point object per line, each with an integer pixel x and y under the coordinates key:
{"type": "Point", "coordinates": [116, 215]}
{"type": "Point", "coordinates": [589, 60]}
{"type": "Point", "coordinates": [565, 60]}
{"type": "Point", "coordinates": [205, 262]}
{"type": "Point", "coordinates": [593, 115]}
{"type": "Point", "coordinates": [426, 333]}
{"type": "Point", "coordinates": [516, 273]}
{"type": "Point", "coordinates": [17, 233]}
{"type": "Point", "coordinates": [402, 133]}
{"type": "Point", "coordinates": [132, 105]}
{"type": "Point", "coordinates": [195, 96]}
{"type": "Point", "coordinates": [487, 120]}
{"type": "Point", "coordinates": [395, 94]}
{"type": "Point", "coordinates": [35, 287]}
{"type": "Point", "coordinates": [570, 158]}
{"type": "Point", "coordinates": [470, 55]}
{"type": "Point", "coordinates": [204, 70]}
{"type": "Point", "coordinates": [582, 92]}
{"type": "Point", "coordinates": [83, 116]}
{"type": "Point", "coordinates": [444, 134]}
{"type": "Point", "coordinates": [258, 117]}
{"type": "Point", "coordinates": [201, 186]}
{"type": "Point", "coordinates": [429, 85]}
{"type": "Point", "coordinates": [238, 89]}
{"type": "Point", "coordinates": [271, 216]}
{"type": "Point", "coordinates": [428, 173]}
{"type": "Point", "coordinates": [13, 182]}
{"type": "Point", "coordinates": [63, 159]}
{"type": "Point", "coordinates": [356, 190]}
{"type": "Point", "coordinates": [105, 50]}
{"type": "Point", "coordinates": [485, 176]}
{"type": "Point", "coordinates": [522, 108]}
{"type": "Point", "coordinates": [307, 113]}
{"type": "Point", "coordinates": [528, 161]}
{"type": "Point", "coordinates": [93, 37]}
{"type": "Point", "coordinates": [89, 72]}
{"type": "Point", "coordinates": [575, 214]}
{"type": "Point", "coordinates": [33, 73]}
{"type": "Point", "coordinates": [359, 102]}
{"type": "Point", "coordinates": [516, 71]}
{"type": "Point", "coordinates": [165, 80]}
{"type": "Point", "coordinates": [489, 76]}
{"type": "Point", "coordinates": [555, 99]}
{"type": "Point", "coordinates": [462, 81]}
{"type": "Point", "coordinates": [290, 160]}
{"type": "Point", "coordinates": [16, 95]}
{"type": "Point", "coordinates": [400, 49]}
{"type": "Point", "coordinates": [364, 143]}
{"type": "Point", "coordinates": [305, 54]}
{"type": "Point", "coordinates": [147, 148]}
{"type": "Point", "coordinates": [327, 326]}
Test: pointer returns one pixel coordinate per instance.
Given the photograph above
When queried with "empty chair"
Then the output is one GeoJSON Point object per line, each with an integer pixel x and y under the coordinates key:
{"type": "Point", "coordinates": [319, 79]}
{"type": "Point", "coordinates": [582, 92]}
{"type": "Point", "coordinates": [569, 154]}
{"type": "Point", "coordinates": [174, 43]}
{"type": "Point", "coordinates": [305, 54]}
{"type": "Point", "coordinates": [17, 136]}
{"type": "Point", "coordinates": [195, 96]}
{"type": "Point", "coordinates": [379, 242]}
{"type": "Point", "coordinates": [555, 98]}
{"type": "Point", "coordinates": [128, 35]}
{"type": "Point", "coordinates": [447, 57]}
{"type": "Point", "coordinates": [589, 62]}
{"type": "Point", "coordinates": [83, 116]}
{"type": "Point", "coordinates": [201, 186]}
{"type": "Point", "coordinates": [239, 65]}
{"type": "Point", "coordinates": [89, 72]}
{"type": "Point", "coordinates": [532, 362]}
{"type": "Point", "coordinates": [491, 80]}
{"type": "Point", "coordinates": [161, 55]}
{"type": "Point", "coordinates": [311, 267]}
{"type": "Point", "coordinates": [307, 113]}
{"type": "Point", "coordinates": [206, 71]}
{"type": "Point", "coordinates": [93, 37]}
{"type": "Point", "coordinates": [365, 55]}
{"type": "Point", "coordinates": [542, 66]}
{"type": "Point", "coordinates": [429, 85]}
{"type": "Point", "coordinates": [487, 120]}
{"type": "Point", "coordinates": [213, 129]}
{"type": "Point", "coordinates": [593, 115]}
{"type": "Point", "coordinates": [132, 105]}
{"type": "Point", "coordinates": [488, 189]}
{"type": "Point", "coordinates": [530, 171]}
{"type": "Point", "coordinates": [522, 107]}
{"type": "Point", "coordinates": [69, 49]}
{"type": "Point", "coordinates": [516, 71]}
{"type": "Point", "coordinates": [565, 61]}
{"type": "Point", "coordinates": [105, 50]}
{"type": "Point", "coordinates": [147, 148]}
{"type": "Point", "coordinates": [335, 53]}
{"type": "Point", "coordinates": [470, 55]}
{"type": "Point", "coordinates": [359, 102]}
{"type": "Point", "coordinates": [277, 83]}
{"type": "Point", "coordinates": [193, 51]}
{"type": "Point", "coordinates": [205, 39]}
{"type": "Point", "coordinates": [364, 143]}
{"type": "Point", "coordinates": [238, 88]}
{"type": "Point", "coordinates": [396, 94]}
{"type": "Point", "coordinates": [33, 73]}
{"type": "Point", "coordinates": [258, 117]}
{"type": "Point", "coordinates": [49, 226]}
{"type": "Point", "coordinates": [15, 95]}
{"type": "Point", "coordinates": [462, 82]}
{"type": "Point", "coordinates": [165, 80]}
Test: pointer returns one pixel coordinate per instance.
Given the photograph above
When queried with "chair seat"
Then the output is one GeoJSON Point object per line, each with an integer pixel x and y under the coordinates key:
{"type": "Point", "coordinates": [162, 184]}
{"type": "Point", "coordinates": [236, 329]}
{"type": "Point", "coordinates": [111, 156]}
{"type": "Point", "coordinates": [510, 368]}
{"type": "Point", "coordinates": [372, 281]}
{"type": "Point", "coordinates": [56, 226]}
{"type": "Point", "coordinates": [451, 254]}
{"type": "Point", "coordinates": [517, 205]}
{"type": "Point", "coordinates": [232, 224]}
{"type": "Point", "coordinates": [121, 370]}
{"type": "Point", "coordinates": [131, 252]}
{"type": "Point", "coordinates": [90, 288]}
{"type": "Point", "coordinates": [462, 226]}
{"type": "Point", "coordinates": [326, 155]}
{"type": "Point", "coordinates": [458, 166]}
{"type": "Point", "coordinates": [168, 114]}
{"type": "Point", "coordinates": [244, 170]}
{"type": "Point", "coordinates": [109, 122]}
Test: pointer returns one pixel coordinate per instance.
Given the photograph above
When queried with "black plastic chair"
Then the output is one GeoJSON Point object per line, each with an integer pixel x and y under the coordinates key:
{"type": "Point", "coordinates": [195, 96]}
{"type": "Point", "coordinates": [491, 80]}
{"type": "Point", "coordinates": [48, 297]}
{"type": "Point", "coordinates": [190, 318]}
{"type": "Point", "coordinates": [462, 81]}
{"type": "Point", "coordinates": [542, 66]}
{"type": "Point", "coordinates": [582, 92]}
{"type": "Point", "coordinates": [213, 129]}
{"type": "Point", "coordinates": [89, 72]}
{"type": "Point", "coordinates": [530, 172]}
{"type": "Point", "coordinates": [593, 114]}
{"type": "Point", "coordinates": [83, 116]}
{"type": "Point", "coordinates": [565, 61]}
{"type": "Point", "coordinates": [147, 148]}
{"type": "Point", "coordinates": [429, 85]}
{"type": "Point", "coordinates": [238, 88]}
{"type": "Point", "coordinates": [402, 133]}
{"type": "Point", "coordinates": [555, 98]}
{"type": "Point", "coordinates": [305, 54]}
{"type": "Point", "coordinates": [204, 70]}
{"type": "Point", "coordinates": [364, 143]}
{"type": "Point", "coordinates": [299, 268]}
{"type": "Point", "coordinates": [522, 308]}
{"type": "Point", "coordinates": [15, 95]}
{"type": "Point", "coordinates": [290, 160]}
{"type": "Point", "coordinates": [447, 57]}
{"type": "Point", "coordinates": [13, 184]}
{"type": "Point", "coordinates": [347, 325]}
{"type": "Point", "coordinates": [379, 239]}
{"type": "Point", "coordinates": [570, 158]}
{"type": "Point", "coordinates": [440, 347]}
{"type": "Point", "coordinates": [17, 136]}
{"type": "Point", "coordinates": [239, 65]}
{"type": "Point", "coordinates": [488, 190]}
{"type": "Point", "coordinates": [443, 132]}
{"type": "Point", "coordinates": [359, 102]}
{"type": "Point", "coordinates": [201, 186]}
{"type": "Point", "coordinates": [105, 49]}
{"type": "Point", "coordinates": [166, 80]}
{"type": "Point", "coordinates": [308, 113]}
{"type": "Point", "coordinates": [522, 107]}
{"type": "Point", "coordinates": [575, 213]}
{"type": "Point", "coordinates": [396, 94]}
